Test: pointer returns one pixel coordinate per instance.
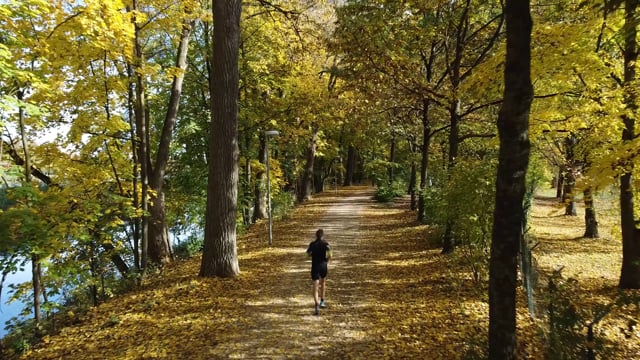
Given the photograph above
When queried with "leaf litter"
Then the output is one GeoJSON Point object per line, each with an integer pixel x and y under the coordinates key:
{"type": "Point", "coordinates": [390, 295]}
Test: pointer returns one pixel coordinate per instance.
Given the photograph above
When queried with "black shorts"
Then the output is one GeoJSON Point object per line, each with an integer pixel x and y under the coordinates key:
{"type": "Point", "coordinates": [319, 271]}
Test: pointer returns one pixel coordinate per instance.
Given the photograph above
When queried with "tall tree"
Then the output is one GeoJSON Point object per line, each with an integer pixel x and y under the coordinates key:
{"type": "Point", "coordinates": [220, 257]}
{"type": "Point", "coordinates": [513, 128]}
{"type": "Point", "coordinates": [156, 245]}
{"type": "Point", "coordinates": [630, 273]}
{"type": "Point", "coordinates": [468, 46]}
{"type": "Point", "coordinates": [160, 250]}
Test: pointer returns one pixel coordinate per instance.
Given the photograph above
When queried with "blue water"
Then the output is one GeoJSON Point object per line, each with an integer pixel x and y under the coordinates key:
{"type": "Point", "coordinates": [8, 311]}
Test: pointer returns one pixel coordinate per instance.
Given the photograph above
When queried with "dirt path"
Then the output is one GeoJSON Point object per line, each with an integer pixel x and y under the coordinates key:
{"type": "Point", "coordinates": [280, 318]}
{"type": "Point", "coordinates": [384, 289]}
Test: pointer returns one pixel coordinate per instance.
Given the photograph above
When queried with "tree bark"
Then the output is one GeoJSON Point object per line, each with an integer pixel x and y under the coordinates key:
{"type": "Point", "coordinates": [136, 226]}
{"type": "Point", "coordinates": [36, 268]}
{"type": "Point", "coordinates": [142, 150]}
{"type": "Point", "coordinates": [508, 220]}
{"type": "Point", "coordinates": [220, 254]}
{"type": "Point", "coordinates": [568, 195]}
{"type": "Point", "coordinates": [392, 158]}
{"type": "Point", "coordinates": [160, 250]}
{"type": "Point", "coordinates": [590, 221]}
{"type": "Point", "coordinates": [351, 166]}
{"type": "Point", "coordinates": [36, 271]}
{"type": "Point", "coordinates": [319, 174]}
{"type": "Point", "coordinates": [413, 179]}
{"type": "Point", "coordinates": [630, 272]}
{"type": "Point", "coordinates": [306, 185]}
{"type": "Point", "coordinates": [560, 184]}
{"type": "Point", "coordinates": [424, 162]}
{"type": "Point", "coordinates": [448, 242]}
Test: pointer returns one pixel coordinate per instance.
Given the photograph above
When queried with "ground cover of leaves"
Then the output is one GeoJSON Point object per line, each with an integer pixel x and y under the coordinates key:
{"type": "Point", "coordinates": [390, 295]}
{"type": "Point", "coordinates": [591, 266]}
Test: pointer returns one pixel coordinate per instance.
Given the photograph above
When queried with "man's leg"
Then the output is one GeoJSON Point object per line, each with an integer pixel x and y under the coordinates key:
{"type": "Point", "coordinates": [322, 286]}
{"type": "Point", "coordinates": [315, 297]}
{"type": "Point", "coordinates": [315, 291]}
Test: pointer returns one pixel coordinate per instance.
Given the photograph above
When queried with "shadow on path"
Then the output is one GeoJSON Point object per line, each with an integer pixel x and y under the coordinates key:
{"type": "Point", "coordinates": [280, 316]}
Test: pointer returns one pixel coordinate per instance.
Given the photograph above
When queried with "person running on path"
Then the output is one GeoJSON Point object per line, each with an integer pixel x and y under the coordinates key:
{"type": "Point", "coordinates": [320, 253]}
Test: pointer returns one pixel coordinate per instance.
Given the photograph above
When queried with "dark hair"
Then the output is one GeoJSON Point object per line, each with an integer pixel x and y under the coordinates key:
{"type": "Point", "coordinates": [319, 234]}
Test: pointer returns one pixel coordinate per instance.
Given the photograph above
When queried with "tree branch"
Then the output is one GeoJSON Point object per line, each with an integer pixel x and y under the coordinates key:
{"type": "Point", "coordinates": [18, 160]}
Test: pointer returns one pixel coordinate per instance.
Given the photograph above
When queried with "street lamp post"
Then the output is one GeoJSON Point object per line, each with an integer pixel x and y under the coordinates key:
{"type": "Point", "coordinates": [268, 134]}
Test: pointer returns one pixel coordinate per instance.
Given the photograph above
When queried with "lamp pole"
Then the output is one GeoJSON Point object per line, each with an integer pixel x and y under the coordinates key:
{"type": "Point", "coordinates": [268, 134]}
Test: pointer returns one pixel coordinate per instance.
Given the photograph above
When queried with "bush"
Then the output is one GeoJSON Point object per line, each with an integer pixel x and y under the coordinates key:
{"type": "Point", "coordinates": [386, 193]}
{"type": "Point", "coordinates": [282, 204]}
{"type": "Point", "coordinates": [467, 208]}
{"type": "Point", "coordinates": [188, 248]}
{"type": "Point", "coordinates": [433, 205]}
{"type": "Point", "coordinates": [573, 331]}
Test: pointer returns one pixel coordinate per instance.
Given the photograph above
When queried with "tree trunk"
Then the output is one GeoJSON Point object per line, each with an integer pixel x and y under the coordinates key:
{"type": "Point", "coordinates": [35, 259]}
{"type": "Point", "coordinates": [319, 175]}
{"type": "Point", "coordinates": [630, 272]}
{"type": "Point", "coordinates": [142, 144]}
{"type": "Point", "coordinates": [93, 269]}
{"type": "Point", "coordinates": [560, 184]}
{"type": "Point", "coordinates": [513, 128]}
{"type": "Point", "coordinates": [120, 264]}
{"type": "Point", "coordinates": [570, 176]}
{"type": "Point", "coordinates": [160, 250]}
{"type": "Point", "coordinates": [260, 199]}
{"type": "Point", "coordinates": [306, 184]}
{"type": "Point", "coordinates": [136, 226]}
{"type": "Point", "coordinates": [220, 254]}
{"type": "Point", "coordinates": [590, 221]}
{"type": "Point", "coordinates": [413, 180]}
{"type": "Point", "coordinates": [424, 162]}
{"type": "Point", "coordinates": [351, 166]}
{"type": "Point", "coordinates": [36, 271]}
{"type": "Point", "coordinates": [568, 194]}
{"type": "Point", "coordinates": [448, 242]}
{"type": "Point", "coordinates": [392, 159]}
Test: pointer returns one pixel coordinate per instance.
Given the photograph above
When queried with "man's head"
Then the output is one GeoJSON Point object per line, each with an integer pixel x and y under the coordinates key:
{"type": "Point", "coordinates": [319, 234]}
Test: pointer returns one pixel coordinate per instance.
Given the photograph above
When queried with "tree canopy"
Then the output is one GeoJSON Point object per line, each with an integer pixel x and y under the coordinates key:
{"type": "Point", "coordinates": [133, 131]}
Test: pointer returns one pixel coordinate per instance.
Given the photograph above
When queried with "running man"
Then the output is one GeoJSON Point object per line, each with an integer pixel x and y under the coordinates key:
{"type": "Point", "coordinates": [320, 253]}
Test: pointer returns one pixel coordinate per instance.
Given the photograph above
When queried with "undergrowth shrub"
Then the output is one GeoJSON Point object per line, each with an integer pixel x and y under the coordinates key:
{"type": "Point", "coordinates": [190, 247]}
{"type": "Point", "coordinates": [571, 330]}
{"type": "Point", "coordinates": [386, 193]}
{"type": "Point", "coordinates": [468, 201]}
{"type": "Point", "coordinates": [282, 204]}
{"type": "Point", "coordinates": [433, 204]}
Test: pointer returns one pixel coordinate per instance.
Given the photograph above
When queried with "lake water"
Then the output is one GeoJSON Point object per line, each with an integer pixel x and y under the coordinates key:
{"type": "Point", "coordinates": [8, 311]}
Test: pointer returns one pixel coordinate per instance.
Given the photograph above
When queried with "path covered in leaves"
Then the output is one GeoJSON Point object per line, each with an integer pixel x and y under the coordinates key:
{"type": "Point", "coordinates": [389, 295]}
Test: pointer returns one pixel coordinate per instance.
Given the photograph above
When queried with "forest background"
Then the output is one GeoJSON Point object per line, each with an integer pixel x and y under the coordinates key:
{"type": "Point", "coordinates": [404, 94]}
